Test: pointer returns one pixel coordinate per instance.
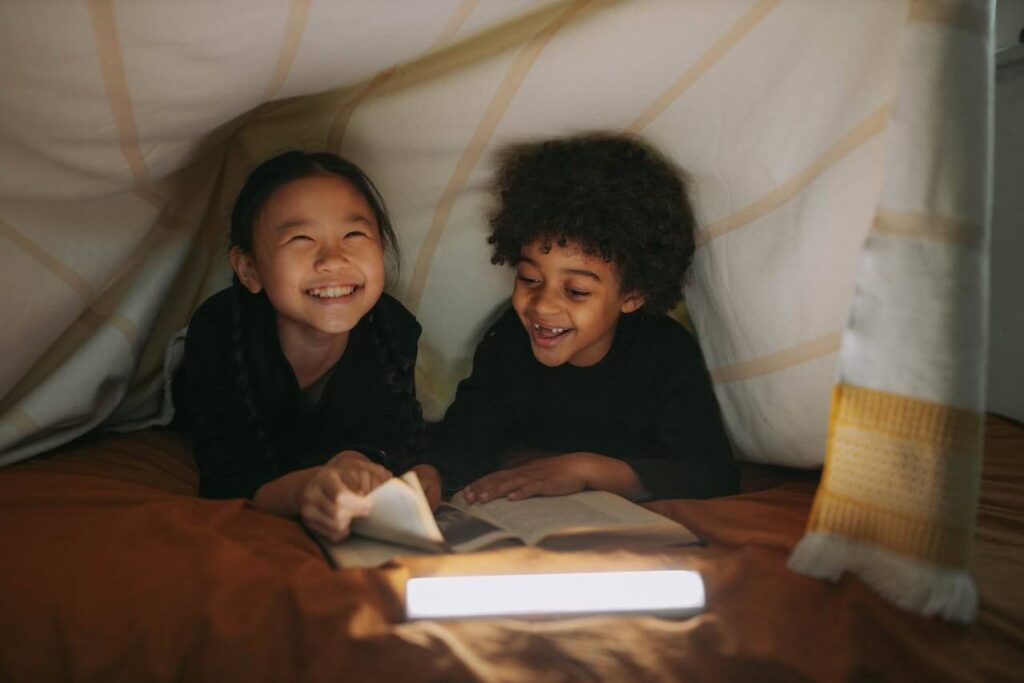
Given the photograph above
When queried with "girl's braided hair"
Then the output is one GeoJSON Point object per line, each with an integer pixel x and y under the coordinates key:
{"type": "Point", "coordinates": [399, 370]}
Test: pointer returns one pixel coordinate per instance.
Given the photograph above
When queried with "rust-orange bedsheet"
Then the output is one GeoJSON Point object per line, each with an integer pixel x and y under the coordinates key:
{"type": "Point", "coordinates": [112, 569]}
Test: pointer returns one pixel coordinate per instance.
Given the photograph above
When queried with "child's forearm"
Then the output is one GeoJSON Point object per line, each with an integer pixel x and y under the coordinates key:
{"type": "Point", "coordinates": [611, 474]}
{"type": "Point", "coordinates": [281, 496]}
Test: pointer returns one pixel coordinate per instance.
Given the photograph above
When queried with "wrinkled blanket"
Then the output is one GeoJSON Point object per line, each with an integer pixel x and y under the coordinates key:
{"type": "Point", "coordinates": [112, 569]}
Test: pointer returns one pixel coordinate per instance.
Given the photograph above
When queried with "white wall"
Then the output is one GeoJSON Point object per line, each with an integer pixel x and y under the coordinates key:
{"type": "Point", "coordinates": [1006, 339]}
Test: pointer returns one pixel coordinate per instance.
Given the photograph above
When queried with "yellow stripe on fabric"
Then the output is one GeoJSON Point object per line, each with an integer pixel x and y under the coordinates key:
{"type": "Point", "coordinates": [72, 338]}
{"type": "Point", "coordinates": [295, 26]}
{"type": "Point", "coordinates": [924, 226]}
{"type": "Point", "coordinates": [853, 139]}
{"type": "Point", "coordinates": [901, 473]}
{"type": "Point", "coordinates": [953, 13]}
{"type": "Point", "coordinates": [499, 104]}
{"type": "Point", "coordinates": [78, 284]}
{"type": "Point", "coordinates": [115, 80]}
{"type": "Point", "coordinates": [729, 39]}
{"type": "Point", "coordinates": [93, 319]}
{"type": "Point", "coordinates": [336, 132]}
{"type": "Point", "coordinates": [780, 360]}
{"type": "Point", "coordinates": [455, 22]}
{"type": "Point", "coordinates": [126, 327]}
{"type": "Point", "coordinates": [21, 422]}
{"type": "Point", "coordinates": [164, 218]}
{"type": "Point", "coordinates": [108, 52]}
{"type": "Point", "coordinates": [339, 123]}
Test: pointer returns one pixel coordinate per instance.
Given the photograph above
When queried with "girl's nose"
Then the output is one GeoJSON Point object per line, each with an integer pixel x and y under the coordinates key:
{"type": "Point", "coordinates": [330, 257]}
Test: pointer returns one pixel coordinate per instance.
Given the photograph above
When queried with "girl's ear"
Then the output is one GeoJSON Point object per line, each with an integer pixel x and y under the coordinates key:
{"type": "Point", "coordinates": [633, 302]}
{"type": "Point", "coordinates": [245, 269]}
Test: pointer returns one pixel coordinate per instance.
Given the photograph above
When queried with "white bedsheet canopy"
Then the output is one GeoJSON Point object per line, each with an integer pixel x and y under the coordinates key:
{"type": "Point", "coordinates": [838, 152]}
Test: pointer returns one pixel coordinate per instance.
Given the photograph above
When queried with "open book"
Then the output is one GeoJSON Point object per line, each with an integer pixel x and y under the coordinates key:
{"type": "Point", "coordinates": [401, 524]}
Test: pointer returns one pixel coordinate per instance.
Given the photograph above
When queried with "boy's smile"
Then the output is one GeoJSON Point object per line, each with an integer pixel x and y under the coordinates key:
{"type": "Point", "coordinates": [569, 303]}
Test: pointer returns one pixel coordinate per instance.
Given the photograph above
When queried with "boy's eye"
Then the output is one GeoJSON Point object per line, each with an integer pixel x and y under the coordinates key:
{"type": "Point", "coordinates": [300, 238]}
{"type": "Point", "coordinates": [577, 293]}
{"type": "Point", "coordinates": [527, 280]}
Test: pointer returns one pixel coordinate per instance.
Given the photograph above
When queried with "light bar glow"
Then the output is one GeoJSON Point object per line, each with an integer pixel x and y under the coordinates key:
{"type": "Point", "coordinates": [669, 593]}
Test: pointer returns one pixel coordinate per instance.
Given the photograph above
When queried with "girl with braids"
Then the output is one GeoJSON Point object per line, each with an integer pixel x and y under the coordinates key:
{"type": "Point", "coordinates": [298, 379]}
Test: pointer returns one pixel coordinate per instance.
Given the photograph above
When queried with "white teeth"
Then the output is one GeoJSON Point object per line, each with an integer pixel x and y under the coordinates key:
{"type": "Point", "coordinates": [332, 292]}
{"type": "Point", "coordinates": [552, 330]}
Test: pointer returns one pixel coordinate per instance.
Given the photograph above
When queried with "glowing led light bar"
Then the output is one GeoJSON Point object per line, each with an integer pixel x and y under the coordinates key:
{"type": "Point", "coordinates": [670, 593]}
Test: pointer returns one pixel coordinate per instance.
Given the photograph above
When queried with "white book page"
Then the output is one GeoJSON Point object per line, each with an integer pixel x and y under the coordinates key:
{"type": "Point", "coordinates": [464, 532]}
{"type": "Point", "coordinates": [536, 518]}
{"type": "Point", "coordinates": [400, 514]}
{"type": "Point", "coordinates": [359, 551]}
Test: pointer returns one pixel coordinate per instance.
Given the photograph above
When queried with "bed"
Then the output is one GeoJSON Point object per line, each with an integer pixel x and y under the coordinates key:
{"type": "Point", "coordinates": [114, 570]}
{"type": "Point", "coordinates": [841, 156]}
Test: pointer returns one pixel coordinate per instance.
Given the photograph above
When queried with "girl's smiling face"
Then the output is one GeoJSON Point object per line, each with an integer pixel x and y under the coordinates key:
{"type": "Point", "coordinates": [569, 303]}
{"type": "Point", "coordinates": [318, 255]}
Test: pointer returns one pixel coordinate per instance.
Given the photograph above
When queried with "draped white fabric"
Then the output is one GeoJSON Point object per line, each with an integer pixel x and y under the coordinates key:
{"type": "Point", "coordinates": [127, 128]}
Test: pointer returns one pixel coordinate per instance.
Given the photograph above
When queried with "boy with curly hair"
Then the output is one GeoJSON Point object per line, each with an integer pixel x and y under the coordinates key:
{"type": "Point", "coordinates": [585, 382]}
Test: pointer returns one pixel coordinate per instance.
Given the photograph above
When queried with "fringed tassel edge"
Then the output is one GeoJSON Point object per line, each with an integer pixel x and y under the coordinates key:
{"type": "Point", "coordinates": [914, 585]}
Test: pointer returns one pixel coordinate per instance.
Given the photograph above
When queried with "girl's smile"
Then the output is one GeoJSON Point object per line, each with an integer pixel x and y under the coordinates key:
{"type": "Point", "coordinates": [329, 294]}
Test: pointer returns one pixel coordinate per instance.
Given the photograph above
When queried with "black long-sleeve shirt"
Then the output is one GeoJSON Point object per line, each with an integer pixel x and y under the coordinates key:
{"type": "Point", "coordinates": [355, 410]}
{"type": "Point", "coordinates": [648, 402]}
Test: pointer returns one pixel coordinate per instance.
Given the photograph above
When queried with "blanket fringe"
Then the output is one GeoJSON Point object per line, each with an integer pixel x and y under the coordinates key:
{"type": "Point", "coordinates": [914, 585]}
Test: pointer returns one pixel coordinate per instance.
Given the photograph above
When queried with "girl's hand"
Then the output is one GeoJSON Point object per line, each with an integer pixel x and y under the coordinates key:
{"type": "Point", "coordinates": [430, 480]}
{"type": "Point", "coordinates": [552, 476]}
{"type": "Point", "coordinates": [336, 493]}
{"type": "Point", "coordinates": [359, 473]}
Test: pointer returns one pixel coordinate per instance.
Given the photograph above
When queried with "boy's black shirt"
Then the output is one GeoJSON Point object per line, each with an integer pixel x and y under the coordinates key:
{"type": "Point", "coordinates": [648, 402]}
{"type": "Point", "coordinates": [356, 409]}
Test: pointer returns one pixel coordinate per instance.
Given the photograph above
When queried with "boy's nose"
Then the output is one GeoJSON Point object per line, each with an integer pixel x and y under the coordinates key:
{"type": "Point", "coordinates": [546, 301]}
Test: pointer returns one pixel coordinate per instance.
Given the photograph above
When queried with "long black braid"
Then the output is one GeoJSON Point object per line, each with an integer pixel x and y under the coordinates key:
{"type": "Point", "coordinates": [400, 379]}
{"type": "Point", "coordinates": [253, 414]}
{"type": "Point", "coordinates": [265, 179]}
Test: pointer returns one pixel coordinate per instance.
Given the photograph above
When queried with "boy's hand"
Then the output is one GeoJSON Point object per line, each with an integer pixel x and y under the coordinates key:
{"type": "Point", "coordinates": [336, 493]}
{"type": "Point", "coordinates": [552, 476]}
{"type": "Point", "coordinates": [430, 480]}
{"type": "Point", "coordinates": [557, 475]}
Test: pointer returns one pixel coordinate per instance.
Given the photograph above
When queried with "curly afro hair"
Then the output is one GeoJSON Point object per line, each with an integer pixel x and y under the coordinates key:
{"type": "Point", "coordinates": [613, 195]}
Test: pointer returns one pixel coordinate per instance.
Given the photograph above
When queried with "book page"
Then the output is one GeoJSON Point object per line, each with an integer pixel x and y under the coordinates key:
{"type": "Point", "coordinates": [464, 532]}
{"type": "Point", "coordinates": [401, 515]}
{"type": "Point", "coordinates": [359, 551]}
{"type": "Point", "coordinates": [591, 512]}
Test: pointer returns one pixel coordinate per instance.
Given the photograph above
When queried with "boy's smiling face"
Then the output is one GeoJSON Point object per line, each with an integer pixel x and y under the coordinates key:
{"type": "Point", "coordinates": [569, 303]}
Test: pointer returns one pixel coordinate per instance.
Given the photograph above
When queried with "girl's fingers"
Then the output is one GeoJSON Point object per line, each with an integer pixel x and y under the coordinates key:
{"type": "Point", "coordinates": [352, 505]}
{"type": "Point", "coordinates": [350, 478]}
{"type": "Point", "coordinates": [380, 475]}
{"type": "Point", "coordinates": [336, 525]}
{"type": "Point", "coordinates": [329, 482]}
{"type": "Point", "coordinates": [327, 526]}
